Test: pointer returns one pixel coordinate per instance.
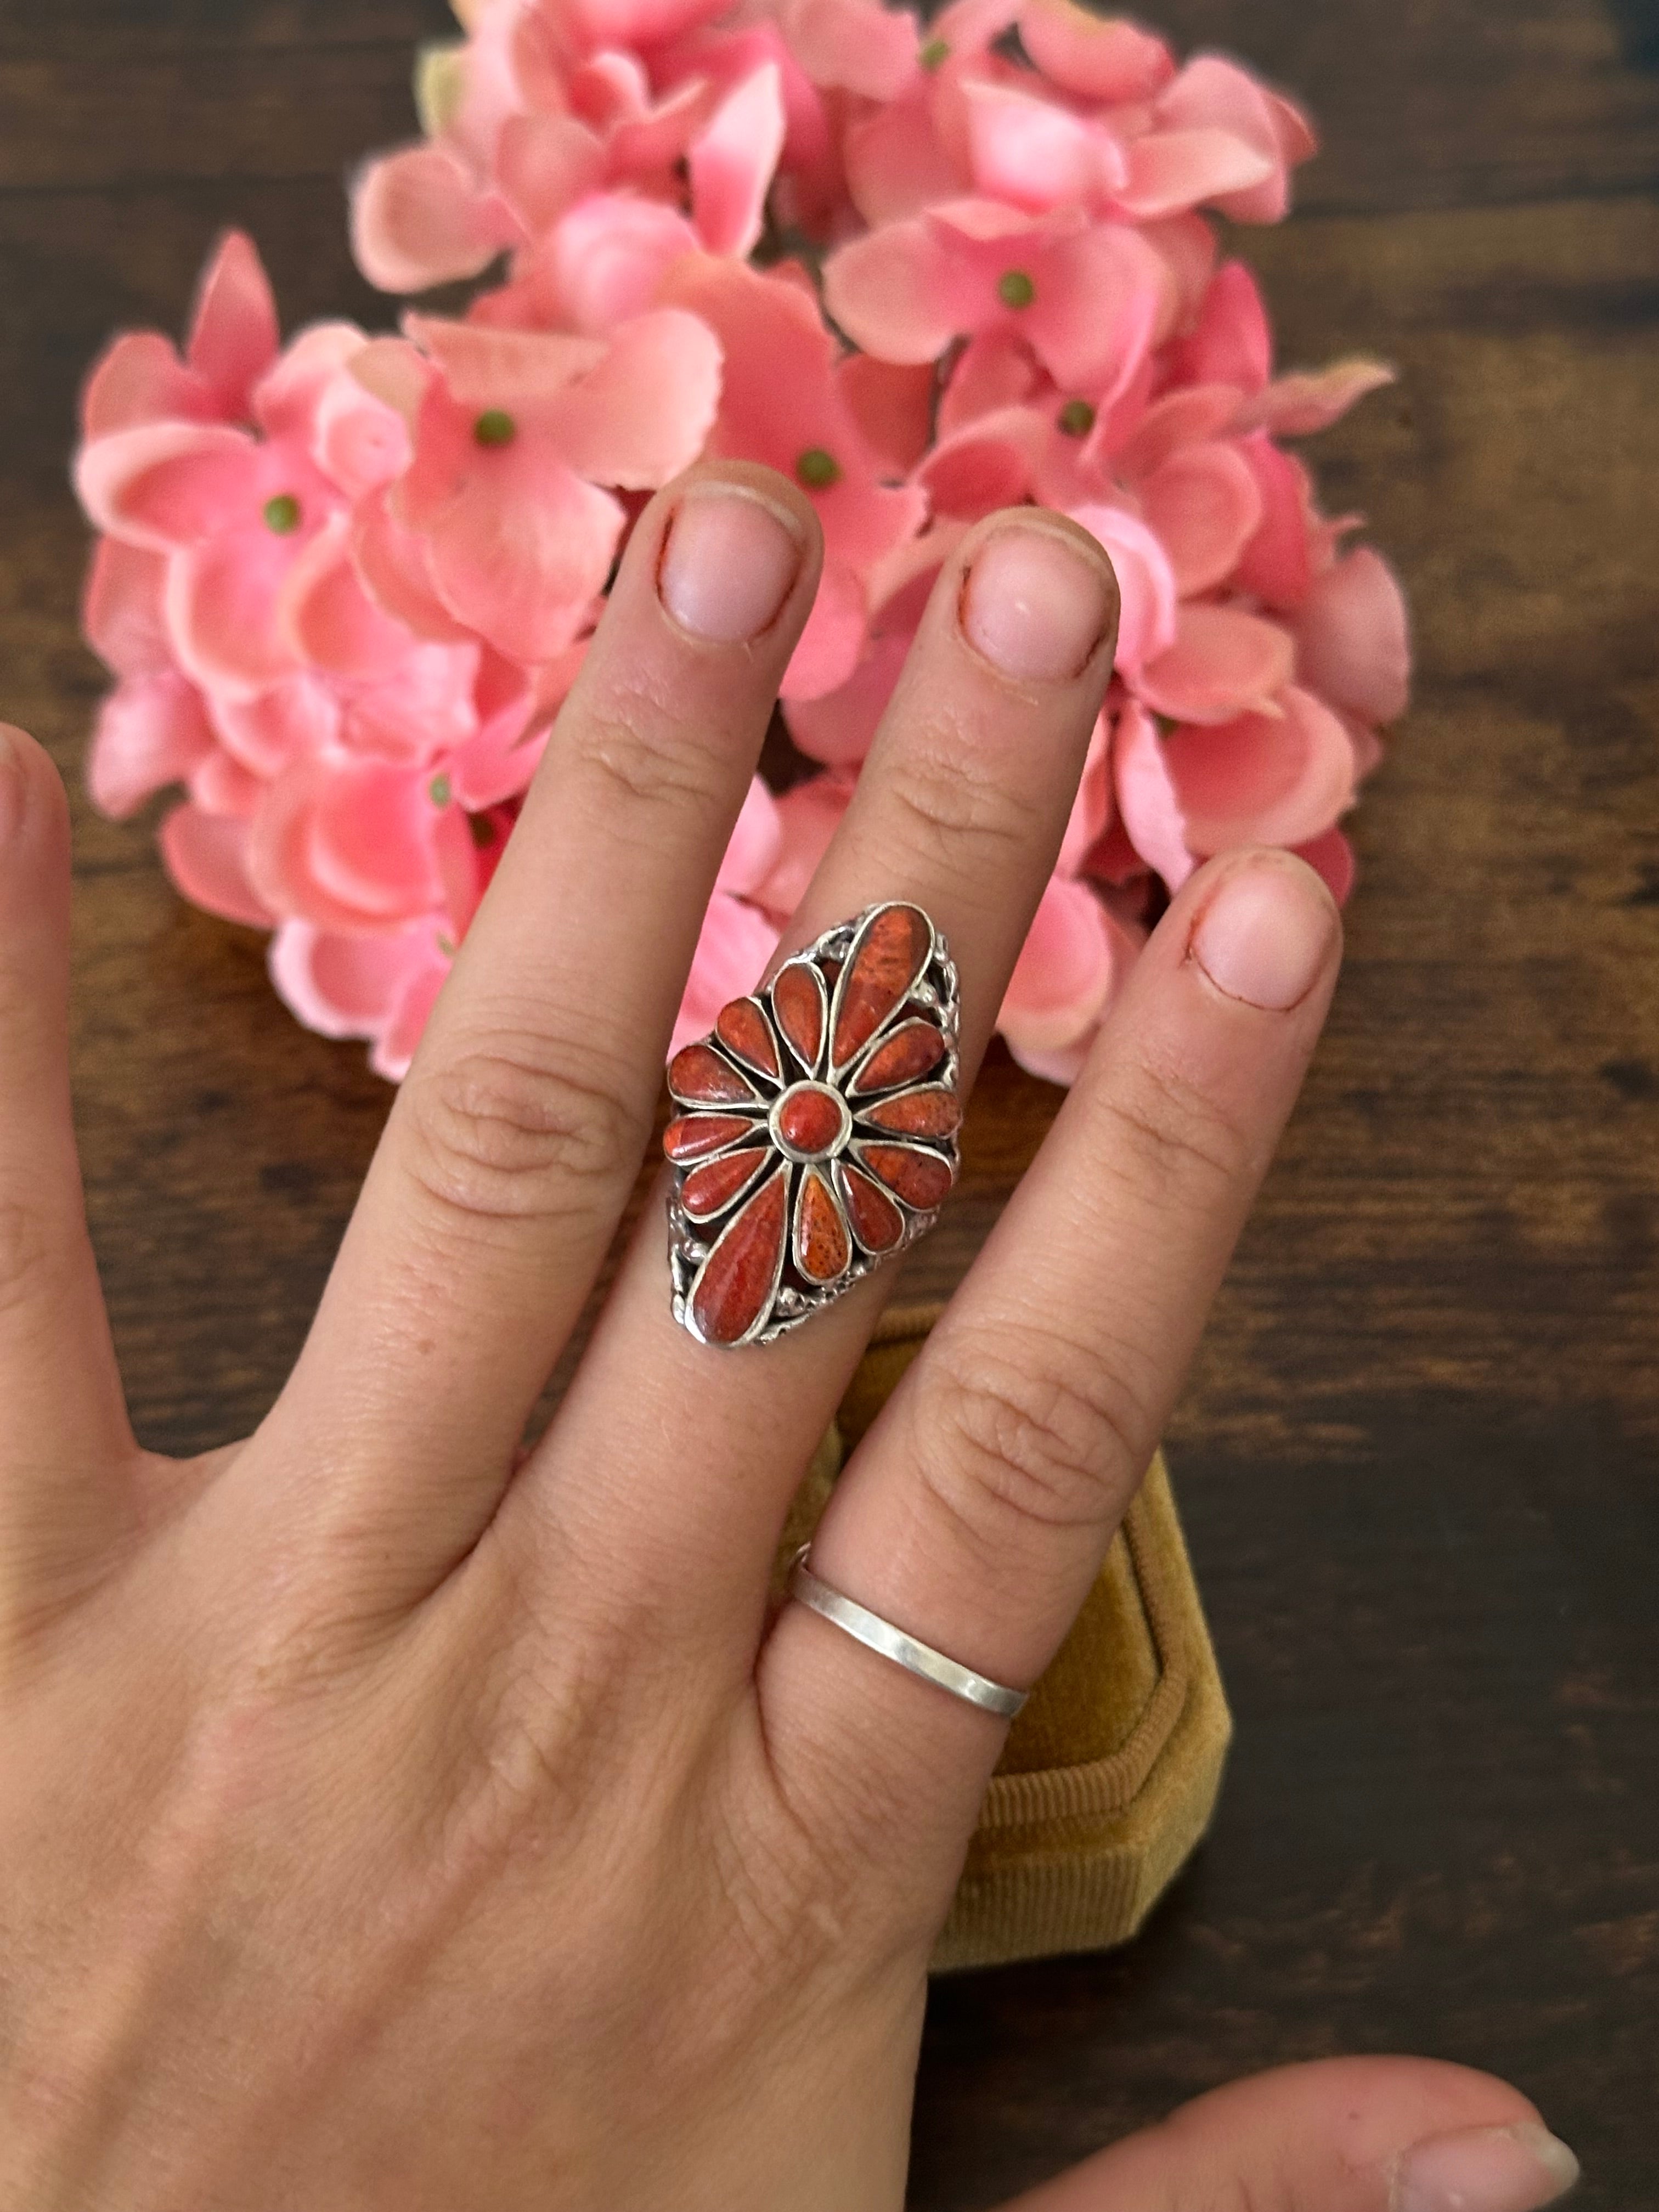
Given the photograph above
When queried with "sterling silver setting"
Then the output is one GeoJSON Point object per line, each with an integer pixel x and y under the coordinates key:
{"type": "Point", "coordinates": [904, 1651]}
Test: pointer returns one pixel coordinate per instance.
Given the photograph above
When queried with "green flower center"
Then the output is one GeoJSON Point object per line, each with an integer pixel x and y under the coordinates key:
{"type": "Point", "coordinates": [438, 791]}
{"type": "Point", "coordinates": [494, 427]}
{"type": "Point", "coordinates": [1015, 288]}
{"type": "Point", "coordinates": [817, 470]}
{"type": "Point", "coordinates": [1077, 419]}
{"type": "Point", "coordinates": [282, 514]}
{"type": "Point", "coordinates": [935, 52]}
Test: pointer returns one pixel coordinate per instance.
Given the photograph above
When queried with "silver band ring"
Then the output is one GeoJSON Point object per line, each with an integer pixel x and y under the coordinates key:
{"type": "Point", "coordinates": [906, 1652]}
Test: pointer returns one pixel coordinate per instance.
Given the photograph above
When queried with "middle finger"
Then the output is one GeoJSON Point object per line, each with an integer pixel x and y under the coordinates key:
{"type": "Point", "coordinates": [671, 1467]}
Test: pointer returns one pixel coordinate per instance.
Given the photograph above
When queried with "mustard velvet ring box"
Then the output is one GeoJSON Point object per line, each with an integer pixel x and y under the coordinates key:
{"type": "Point", "coordinates": [1111, 1772]}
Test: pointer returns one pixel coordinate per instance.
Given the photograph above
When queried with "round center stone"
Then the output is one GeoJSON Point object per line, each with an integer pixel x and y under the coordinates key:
{"type": "Point", "coordinates": [810, 1120]}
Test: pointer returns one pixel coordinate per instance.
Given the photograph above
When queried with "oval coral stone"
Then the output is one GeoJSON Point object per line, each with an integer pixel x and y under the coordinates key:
{"type": "Point", "coordinates": [735, 1283]}
{"type": "Point", "coordinates": [810, 1118]}
{"type": "Point", "coordinates": [877, 1222]}
{"type": "Point", "coordinates": [933, 1112]}
{"type": "Point", "coordinates": [913, 1050]}
{"type": "Point", "coordinates": [890, 954]}
{"type": "Point", "coordinates": [822, 1247]}
{"type": "Point", "coordinates": [694, 1136]}
{"type": "Point", "coordinates": [921, 1179]}
{"type": "Point", "coordinates": [746, 1031]}
{"type": "Point", "coordinates": [709, 1189]}
{"type": "Point", "coordinates": [701, 1078]}
{"type": "Point", "coordinates": [798, 1002]}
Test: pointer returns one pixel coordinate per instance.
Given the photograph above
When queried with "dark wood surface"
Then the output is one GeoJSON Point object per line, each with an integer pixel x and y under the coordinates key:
{"type": "Point", "coordinates": [1417, 1455]}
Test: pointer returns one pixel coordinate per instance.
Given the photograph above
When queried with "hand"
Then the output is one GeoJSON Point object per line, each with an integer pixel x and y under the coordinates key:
{"type": "Point", "coordinates": [385, 1823]}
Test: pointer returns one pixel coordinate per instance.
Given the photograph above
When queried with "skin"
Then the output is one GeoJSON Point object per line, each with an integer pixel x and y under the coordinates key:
{"type": "Point", "coordinates": [387, 1821]}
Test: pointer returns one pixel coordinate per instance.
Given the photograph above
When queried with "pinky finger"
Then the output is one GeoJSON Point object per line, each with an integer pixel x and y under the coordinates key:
{"type": "Point", "coordinates": [63, 1432]}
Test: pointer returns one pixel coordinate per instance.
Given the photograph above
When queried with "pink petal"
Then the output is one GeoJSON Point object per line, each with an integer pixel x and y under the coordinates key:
{"type": "Point", "coordinates": [854, 44]}
{"type": "Point", "coordinates": [1232, 342]}
{"type": "Point", "coordinates": [497, 763]}
{"type": "Point", "coordinates": [735, 944]}
{"type": "Point", "coordinates": [897, 164]}
{"type": "Point", "coordinates": [1186, 245]}
{"type": "Point", "coordinates": [1099, 58]}
{"type": "Point", "coordinates": [1332, 857]}
{"type": "Point", "coordinates": [809, 814]}
{"type": "Point", "coordinates": [624, 23]}
{"type": "Point", "coordinates": [1185, 417]}
{"type": "Point", "coordinates": [165, 484]}
{"type": "Point", "coordinates": [1035, 154]}
{"type": "Point", "coordinates": [995, 369]}
{"type": "Point", "coordinates": [896, 294]}
{"type": "Point", "coordinates": [222, 608]}
{"type": "Point", "coordinates": [1262, 781]}
{"type": "Point", "coordinates": [233, 337]}
{"type": "Point", "coordinates": [1147, 618]}
{"type": "Point", "coordinates": [732, 163]}
{"type": "Point", "coordinates": [1212, 93]}
{"type": "Point", "coordinates": [1353, 640]}
{"type": "Point", "coordinates": [1299, 406]}
{"type": "Point", "coordinates": [328, 617]}
{"type": "Point", "coordinates": [641, 413]}
{"type": "Point", "coordinates": [986, 465]}
{"type": "Point", "coordinates": [545, 163]}
{"type": "Point", "coordinates": [607, 259]}
{"type": "Point", "coordinates": [395, 565]}
{"type": "Point", "coordinates": [1065, 974]}
{"type": "Point", "coordinates": [1098, 301]}
{"type": "Point", "coordinates": [1277, 567]}
{"type": "Point", "coordinates": [418, 219]}
{"type": "Point", "coordinates": [487, 367]}
{"type": "Point", "coordinates": [419, 708]}
{"type": "Point", "coordinates": [752, 851]}
{"type": "Point", "coordinates": [827, 652]}
{"type": "Point", "coordinates": [121, 610]}
{"type": "Point", "coordinates": [140, 379]}
{"type": "Point", "coordinates": [396, 1046]}
{"type": "Point", "coordinates": [344, 985]}
{"type": "Point", "coordinates": [839, 727]}
{"type": "Point", "coordinates": [1223, 664]}
{"type": "Point", "coordinates": [1170, 171]}
{"type": "Point", "coordinates": [1148, 804]}
{"type": "Point", "coordinates": [268, 730]}
{"type": "Point", "coordinates": [518, 558]}
{"type": "Point", "coordinates": [205, 854]}
{"type": "Point", "coordinates": [1205, 505]}
{"type": "Point", "coordinates": [359, 443]}
{"type": "Point", "coordinates": [374, 840]}
{"type": "Point", "coordinates": [220, 785]}
{"type": "Point", "coordinates": [151, 730]}
{"type": "Point", "coordinates": [892, 405]}
{"type": "Point", "coordinates": [1091, 810]}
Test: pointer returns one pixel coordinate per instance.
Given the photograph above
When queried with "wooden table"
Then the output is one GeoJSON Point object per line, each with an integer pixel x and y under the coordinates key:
{"type": "Point", "coordinates": [1416, 1456]}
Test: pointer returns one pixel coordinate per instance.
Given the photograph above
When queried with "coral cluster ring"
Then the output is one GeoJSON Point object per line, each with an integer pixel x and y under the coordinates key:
{"type": "Point", "coordinates": [815, 1128]}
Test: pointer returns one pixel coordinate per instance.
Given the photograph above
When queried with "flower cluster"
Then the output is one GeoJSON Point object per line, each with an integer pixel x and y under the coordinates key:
{"type": "Point", "coordinates": [927, 270]}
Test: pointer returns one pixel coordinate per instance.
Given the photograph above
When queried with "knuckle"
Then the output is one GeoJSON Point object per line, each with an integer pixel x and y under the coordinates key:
{"type": "Point", "coordinates": [26, 1256]}
{"type": "Point", "coordinates": [1174, 1132]}
{"type": "Point", "coordinates": [1026, 1431]}
{"type": "Point", "coordinates": [957, 816]}
{"type": "Point", "coordinates": [641, 757]}
{"type": "Point", "coordinates": [523, 1129]}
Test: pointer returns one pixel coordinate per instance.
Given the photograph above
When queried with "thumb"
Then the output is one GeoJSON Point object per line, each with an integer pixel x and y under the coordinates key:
{"type": "Point", "coordinates": [1347, 2134]}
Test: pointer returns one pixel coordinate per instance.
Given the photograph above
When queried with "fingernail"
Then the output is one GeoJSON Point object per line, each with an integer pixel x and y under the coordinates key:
{"type": "Point", "coordinates": [1485, 2170]}
{"type": "Point", "coordinates": [728, 565]}
{"type": "Point", "coordinates": [11, 782]}
{"type": "Point", "coordinates": [1266, 934]}
{"type": "Point", "coordinates": [1034, 606]}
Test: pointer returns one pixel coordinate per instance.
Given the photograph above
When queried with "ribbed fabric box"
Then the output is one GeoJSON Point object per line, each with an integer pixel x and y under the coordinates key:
{"type": "Point", "coordinates": [1111, 1772]}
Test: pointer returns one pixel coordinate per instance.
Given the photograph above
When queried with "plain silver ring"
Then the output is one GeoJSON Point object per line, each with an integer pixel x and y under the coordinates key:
{"type": "Point", "coordinates": [906, 1652]}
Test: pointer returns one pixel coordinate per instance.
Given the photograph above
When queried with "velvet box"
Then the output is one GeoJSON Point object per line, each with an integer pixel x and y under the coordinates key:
{"type": "Point", "coordinates": [1110, 1774]}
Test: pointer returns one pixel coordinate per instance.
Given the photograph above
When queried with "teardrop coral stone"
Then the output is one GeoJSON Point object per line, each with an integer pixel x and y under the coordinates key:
{"type": "Point", "coordinates": [921, 1179]}
{"type": "Point", "coordinates": [734, 1286]}
{"type": "Point", "coordinates": [709, 1189]}
{"type": "Point", "coordinates": [889, 956]}
{"type": "Point", "coordinates": [913, 1050]}
{"type": "Point", "coordinates": [701, 1078]}
{"type": "Point", "coordinates": [877, 1222]}
{"type": "Point", "coordinates": [694, 1136]}
{"type": "Point", "coordinates": [798, 1002]}
{"type": "Point", "coordinates": [745, 1030]}
{"type": "Point", "coordinates": [933, 1112]}
{"type": "Point", "coordinates": [822, 1247]}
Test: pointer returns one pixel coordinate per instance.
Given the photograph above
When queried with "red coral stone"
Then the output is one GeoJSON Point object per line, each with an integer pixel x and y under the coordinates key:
{"type": "Point", "coordinates": [694, 1136]}
{"type": "Point", "coordinates": [888, 956]}
{"type": "Point", "coordinates": [810, 1117]}
{"type": "Point", "coordinates": [877, 1222]}
{"type": "Point", "coordinates": [734, 1284]}
{"type": "Point", "coordinates": [743, 1027]}
{"type": "Point", "coordinates": [914, 1049]}
{"type": "Point", "coordinates": [709, 1189]}
{"type": "Point", "coordinates": [933, 1112]}
{"type": "Point", "coordinates": [921, 1179]}
{"type": "Point", "coordinates": [822, 1247]}
{"type": "Point", "coordinates": [798, 1002]}
{"type": "Point", "coordinates": [701, 1078]}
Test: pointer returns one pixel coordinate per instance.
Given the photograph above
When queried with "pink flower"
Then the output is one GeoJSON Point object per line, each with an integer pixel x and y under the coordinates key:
{"type": "Point", "coordinates": [520, 443]}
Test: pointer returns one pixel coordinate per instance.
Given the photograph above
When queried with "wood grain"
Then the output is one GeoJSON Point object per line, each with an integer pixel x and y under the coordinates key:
{"type": "Point", "coordinates": [1417, 1454]}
